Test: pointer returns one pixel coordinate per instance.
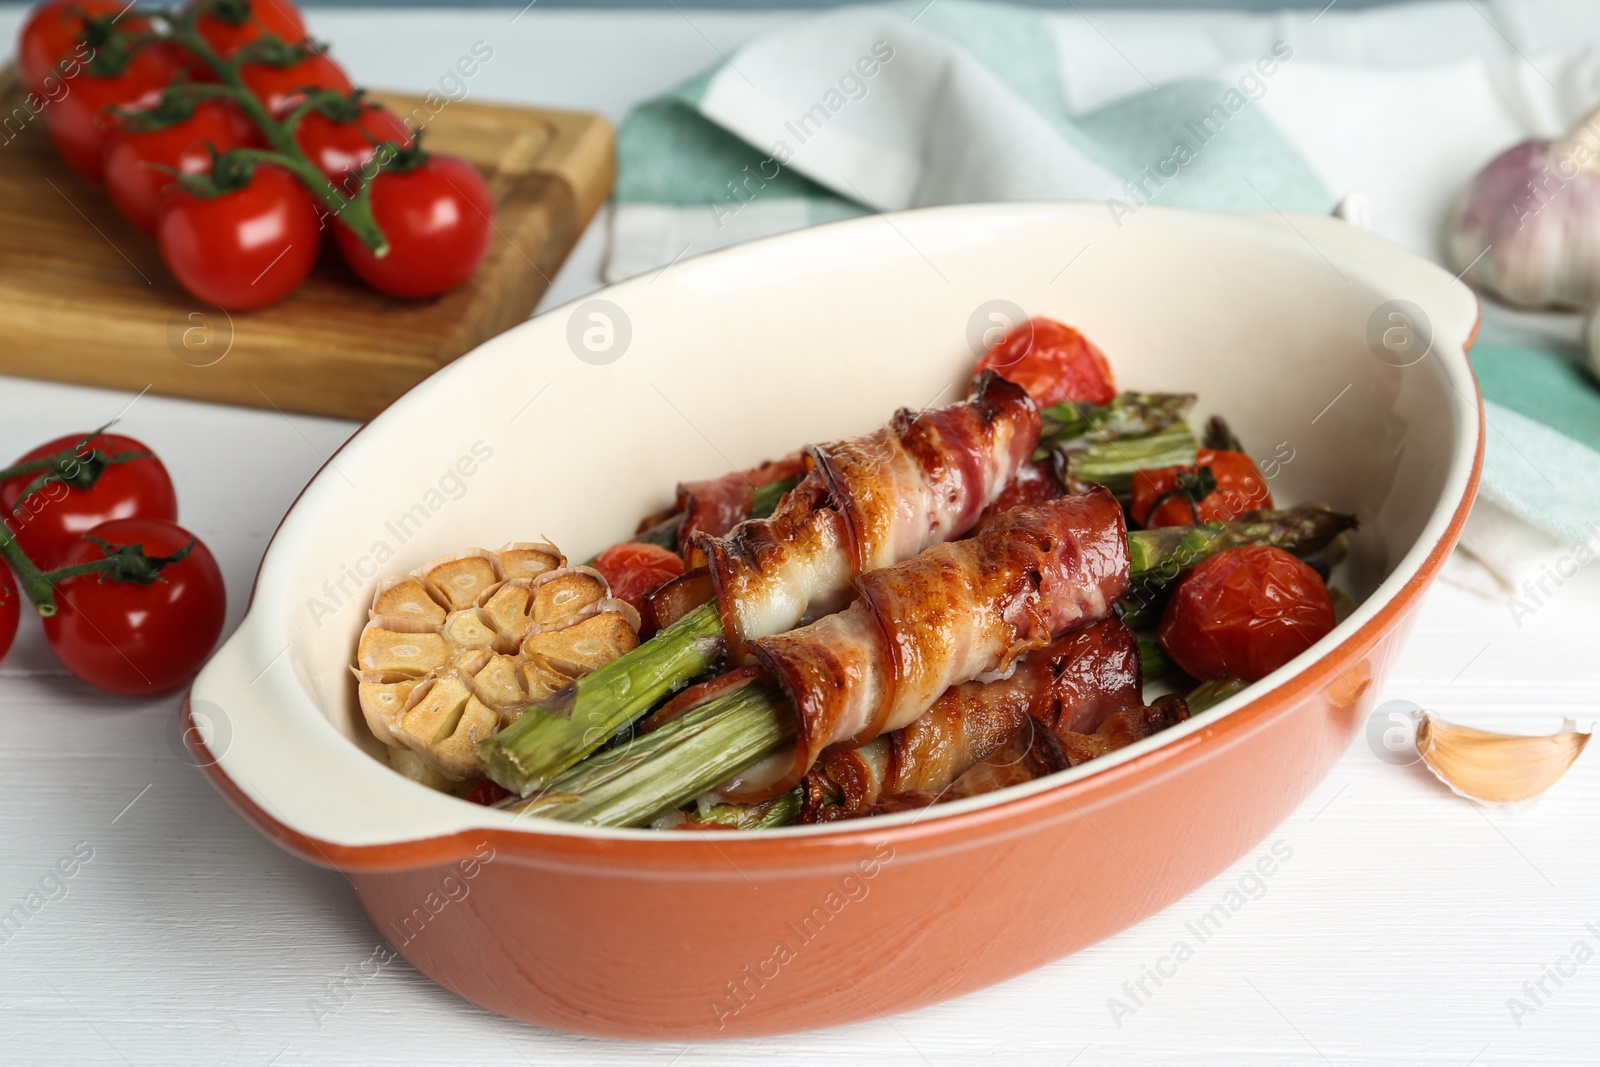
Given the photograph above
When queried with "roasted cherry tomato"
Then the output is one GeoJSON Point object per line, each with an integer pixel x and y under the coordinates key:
{"type": "Point", "coordinates": [1238, 488]}
{"type": "Point", "coordinates": [141, 640]}
{"type": "Point", "coordinates": [10, 610]}
{"type": "Point", "coordinates": [57, 29]}
{"type": "Point", "coordinates": [88, 491]}
{"type": "Point", "coordinates": [1053, 362]}
{"type": "Point", "coordinates": [245, 247]}
{"type": "Point", "coordinates": [283, 88]}
{"type": "Point", "coordinates": [344, 143]}
{"type": "Point", "coordinates": [1244, 613]}
{"type": "Point", "coordinates": [488, 793]}
{"type": "Point", "coordinates": [136, 158]}
{"type": "Point", "coordinates": [80, 123]}
{"type": "Point", "coordinates": [437, 214]}
{"type": "Point", "coordinates": [635, 570]}
{"type": "Point", "coordinates": [229, 25]}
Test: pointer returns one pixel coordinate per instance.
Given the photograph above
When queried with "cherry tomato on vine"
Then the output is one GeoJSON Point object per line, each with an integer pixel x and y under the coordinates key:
{"type": "Point", "coordinates": [246, 246]}
{"type": "Point", "coordinates": [635, 570]}
{"type": "Point", "coordinates": [229, 25]}
{"type": "Point", "coordinates": [281, 89]}
{"type": "Point", "coordinates": [1239, 488]}
{"type": "Point", "coordinates": [136, 639]}
{"type": "Point", "coordinates": [135, 157]}
{"type": "Point", "coordinates": [1053, 362]}
{"type": "Point", "coordinates": [341, 146]}
{"type": "Point", "coordinates": [436, 212]}
{"type": "Point", "coordinates": [56, 29]}
{"type": "Point", "coordinates": [1244, 613]}
{"type": "Point", "coordinates": [10, 610]}
{"type": "Point", "coordinates": [79, 122]}
{"type": "Point", "coordinates": [51, 520]}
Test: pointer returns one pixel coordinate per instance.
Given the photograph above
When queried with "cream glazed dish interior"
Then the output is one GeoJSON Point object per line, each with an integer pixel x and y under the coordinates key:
{"type": "Point", "coordinates": [739, 356]}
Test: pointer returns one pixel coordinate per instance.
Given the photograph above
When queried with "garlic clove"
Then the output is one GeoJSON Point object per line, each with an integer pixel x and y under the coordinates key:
{"type": "Point", "coordinates": [1495, 768]}
{"type": "Point", "coordinates": [463, 577]}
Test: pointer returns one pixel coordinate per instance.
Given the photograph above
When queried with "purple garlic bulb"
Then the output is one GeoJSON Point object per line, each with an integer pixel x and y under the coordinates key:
{"type": "Point", "coordinates": [1529, 226]}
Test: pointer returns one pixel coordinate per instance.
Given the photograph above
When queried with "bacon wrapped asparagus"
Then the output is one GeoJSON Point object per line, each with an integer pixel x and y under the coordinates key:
{"type": "Point", "coordinates": [1072, 684]}
{"type": "Point", "coordinates": [958, 612]}
{"type": "Point", "coordinates": [864, 503]}
{"type": "Point", "coordinates": [1033, 752]}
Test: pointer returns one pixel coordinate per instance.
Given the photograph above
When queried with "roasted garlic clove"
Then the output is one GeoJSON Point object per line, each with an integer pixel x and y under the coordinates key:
{"type": "Point", "coordinates": [382, 703]}
{"type": "Point", "coordinates": [497, 684]}
{"type": "Point", "coordinates": [561, 597]}
{"type": "Point", "coordinates": [406, 597]}
{"type": "Point", "coordinates": [1497, 768]}
{"type": "Point", "coordinates": [585, 646]}
{"type": "Point", "coordinates": [541, 680]}
{"type": "Point", "coordinates": [457, 754]}
{"type": "Point", "coordinates": [462, 578]}
{"type": "Point", "coordinates": [510, 610]}
{"type": "Point", "coordinates": [529, 559]}
{"type": "Point", "coordinates": [388, 650]}
{"type": "Point", "coordinates": [468, 629]}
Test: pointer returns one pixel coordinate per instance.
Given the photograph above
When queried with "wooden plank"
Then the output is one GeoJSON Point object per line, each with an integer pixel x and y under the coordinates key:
{"type": "Point", "coordinates": [85, 298]}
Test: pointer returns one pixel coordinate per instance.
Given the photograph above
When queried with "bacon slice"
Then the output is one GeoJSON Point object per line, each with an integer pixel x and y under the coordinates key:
{"type": "Point", "coordinates": [1078, 679]}
{"type": "Point", "coordinates": [960, 611]}
{"type": "Point", "coordinates": [1034, 753]}
{"type": "Point", "coordinates": [716, 505]}
{"type": "Point", "coordinates": [1036, 482]}
{"type": "Point", "coordinates": [869, 502]}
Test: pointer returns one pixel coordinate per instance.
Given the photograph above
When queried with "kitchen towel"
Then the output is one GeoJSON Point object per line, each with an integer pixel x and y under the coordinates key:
{"type": "Point", "coordinates": [881, 108]}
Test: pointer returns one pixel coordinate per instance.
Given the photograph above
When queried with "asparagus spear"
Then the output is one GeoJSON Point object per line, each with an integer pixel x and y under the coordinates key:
{"type": "Point", "coordinates": [1112, 463]}
{"type": "Point", "coordinates": [1153, 662]}
{"type": "Point", "coordinates": [635, 783]}
{"type": "Point", "coordinates": [1209, 694]}
{"type": "Point", "coordinates": [553, 736]}
{"type": "Point", "coordinates": [1070, 424]}
{"type": "Point", "coordinates": [1159, 555]}
{"type": "Point", "coordinates": [779, 811]}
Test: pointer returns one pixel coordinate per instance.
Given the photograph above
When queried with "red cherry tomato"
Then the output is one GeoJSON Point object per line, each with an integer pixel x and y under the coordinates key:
{"type": "Point", "coordinates": [282, 89]}
{"type": "Point", "coordinates": [79, 122]}
{"type": "Point", "coordinates": [10, 610]}
{"type": "Point", "coordinates": [488, 793]}
{"type": "Point", "coordinates": [1240, 488]}
{"type": "Point", "coordinates": [141, 640]}
{"type": "Point", "coordinates": [241, 249]}
{"type": "Point", "coordinates": [438, 218]}
{"type": "Point", "coordinates": [1244, 613]}
{"type": "Point", "coordinates": [134, 158]}
{"type": "Point", "coordinates": [1053, 362]}
{"type": "Point", "coordinates": [229, 25]}
{"type": "Point", "coordinates": [51, 521]}
{"type": "Point", "coordinates": [635, 570]}
{"type": "Point", "coordinates": [56, 29]}
{"type": "Point", "coordinates": [340, 149]}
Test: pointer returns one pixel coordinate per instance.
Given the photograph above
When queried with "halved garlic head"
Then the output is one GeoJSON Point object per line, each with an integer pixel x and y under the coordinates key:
{"type": "Point", "coordinates": [455, 650]}
{"type": "Point", "coordinates": [1497, 768]}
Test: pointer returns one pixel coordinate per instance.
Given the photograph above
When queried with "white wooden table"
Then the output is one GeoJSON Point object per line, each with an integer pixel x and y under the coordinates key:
{"type": "Point", "coordinates": [1397, 933]}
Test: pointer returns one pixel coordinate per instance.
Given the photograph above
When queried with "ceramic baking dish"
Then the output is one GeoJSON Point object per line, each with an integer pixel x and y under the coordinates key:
{"type": "Point", "coordinates": [577, 423]}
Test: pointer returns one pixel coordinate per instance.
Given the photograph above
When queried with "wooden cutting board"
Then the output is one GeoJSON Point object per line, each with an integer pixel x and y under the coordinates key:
{"type": "Point", "coordinates": [84, 296]}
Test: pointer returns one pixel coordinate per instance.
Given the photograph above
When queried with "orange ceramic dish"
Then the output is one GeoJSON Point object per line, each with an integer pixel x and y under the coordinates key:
{"type": "Point", "coordinates": [1338, 354]}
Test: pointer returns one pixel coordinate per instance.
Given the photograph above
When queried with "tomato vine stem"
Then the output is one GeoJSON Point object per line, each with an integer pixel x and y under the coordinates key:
{"type": "Point", "coordinates": [353, 210]}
